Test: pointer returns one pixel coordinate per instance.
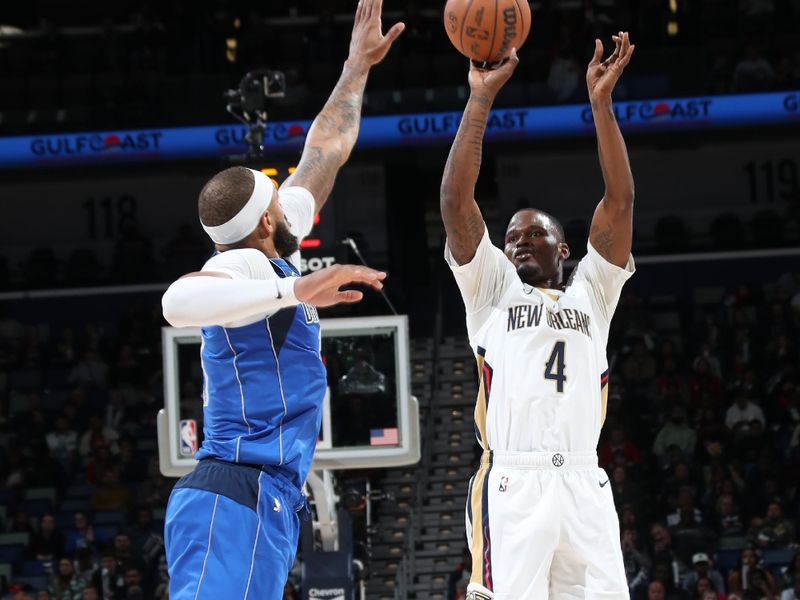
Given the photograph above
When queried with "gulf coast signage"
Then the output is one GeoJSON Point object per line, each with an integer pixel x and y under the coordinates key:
{"type": "Point", "coordinates": [399, 130]}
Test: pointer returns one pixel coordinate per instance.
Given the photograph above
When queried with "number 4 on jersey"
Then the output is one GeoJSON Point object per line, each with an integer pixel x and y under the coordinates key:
{"type": "Point", "coordinates": [555, 367]}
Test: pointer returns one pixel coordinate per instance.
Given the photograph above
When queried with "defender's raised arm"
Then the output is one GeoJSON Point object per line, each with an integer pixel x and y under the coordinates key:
{"type": "Point", "coordinates": [334, 132]}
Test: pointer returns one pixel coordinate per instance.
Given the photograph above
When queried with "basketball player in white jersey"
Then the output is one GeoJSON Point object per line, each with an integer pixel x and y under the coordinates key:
{"type": "Point", "coordinates": [540, 514]}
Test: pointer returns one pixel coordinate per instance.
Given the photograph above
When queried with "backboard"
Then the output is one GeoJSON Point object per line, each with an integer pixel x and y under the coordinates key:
{"type": "Point", "coordinates": [369, 417]}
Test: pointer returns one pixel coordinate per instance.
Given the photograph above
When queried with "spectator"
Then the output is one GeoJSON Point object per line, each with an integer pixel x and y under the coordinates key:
{"type": "Point", "coordinates": [748, 563]}
{"type": "Point", "coordinates": [109, 579]}
{"type": "Point", "coordinates": [728, 521]}
{"type": "Point", "coordinates": [65, 584]}
{"type": "Point", "coordinates": [761, 583]}
{"type": "Point", "coordinates": [639, 368]}
{"type": "Point", "coordinates": [135, 588]}
{"type": "Point", "coordinates": [742, 414]}
{"type": "Point", "coordinates": [91, 372]}
{"type": "Point", "coordinates": [703, 587]}
{"type": "Point", "coordinates": [686, 512]}
{"type": "Point", "coordinates": [63, 442]}
{"type": "Point", "coordinates": [753, 73]}
{"type": "Point", "coordinates": [665, 574]}
{"type": "Point", "coordinates": [675, 433]}
{"type": "Point", "coordinates": [462, 570]}
{"type": "Point", "coordinates": [82, 536]}
{"type": "Point", "coordinates": [48, 542]}
{"type": "Point", "coordinates": [704, 381]}
{"type": "Point", "coordinates": [111, 494]}
{"type": "Point", "coordinates": [461, 590]}
{"type": "Point", "coordinates": [792, 593]}
{"type": "Point", "coordinates": [656, 591]}
{"type": "Point", "coordinates": [97, 435]}
{"type": "Point", "coordinates": [145, 539]}
{"type": "Point", "coordinates": [618, 443]}
{"type": "Point", "coordinates": [564, 77]}
{"type": "Point", "coordinates": [790, 572]}
{"type": "Point", "coordinates": [21, 523]}
{"type": "Point", "coordinates": [85, 564]}
{"type": "Point", "coordinates": [703, 570]}
{"type": "Point", "coordinates": [625, 492]}
{"type": "Point", "coordinates": [671, 382]}
{"type": "Point", "coordinates": [664, 555]}
{"type": "Point", "coordinates": [289, 593]}
{"type": "Point", "coordinates": [637, 563]}
{"type": "Point", "coordinates": [90, 593]}
{"type": "Point", "coordinates": [775, 530]}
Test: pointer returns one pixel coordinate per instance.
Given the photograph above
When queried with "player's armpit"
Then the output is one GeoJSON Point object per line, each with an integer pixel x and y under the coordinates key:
{"type": "Point", "coordinates": [611, 233]}
{"type": "Point", "coordinates": [464, 227]}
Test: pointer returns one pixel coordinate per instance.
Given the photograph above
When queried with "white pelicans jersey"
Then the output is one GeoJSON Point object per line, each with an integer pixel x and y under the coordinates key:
{"type": "Point", "coordinates": [541, 353]}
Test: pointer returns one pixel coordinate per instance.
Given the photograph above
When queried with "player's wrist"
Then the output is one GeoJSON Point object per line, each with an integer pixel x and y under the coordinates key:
{"type": "Point", "coordinates": [286, 291]}
{"type": "Point", "coordinates": [600, 102]}
{"type": "Point", "coordinates": [357, 64]}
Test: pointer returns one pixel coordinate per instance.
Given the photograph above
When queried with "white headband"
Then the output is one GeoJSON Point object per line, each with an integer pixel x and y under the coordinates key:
{"type": "Point", "coordinates": [246, 220]}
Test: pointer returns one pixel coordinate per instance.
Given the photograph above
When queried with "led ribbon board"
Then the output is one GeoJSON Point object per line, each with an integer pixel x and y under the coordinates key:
{"type": "Point", "coordinates": [705, 112]}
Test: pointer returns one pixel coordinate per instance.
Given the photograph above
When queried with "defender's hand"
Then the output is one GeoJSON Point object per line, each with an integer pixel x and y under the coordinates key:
{"type": "Point", "coordinates": [602, 75]}
{"type": "Point", "coordinates": [489, 81]}
{"type": "Point", "coordinates": [368, 45]}
{"type": "Point", "coordinates": [321, 289]}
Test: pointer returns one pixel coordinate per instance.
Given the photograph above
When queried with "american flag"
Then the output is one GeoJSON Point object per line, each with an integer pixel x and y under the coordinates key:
{"type": "Point", "coordinates": [383, 437]}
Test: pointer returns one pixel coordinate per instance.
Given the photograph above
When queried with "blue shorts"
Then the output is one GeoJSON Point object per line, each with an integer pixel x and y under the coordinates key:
{"type": "Point", "coordinates": [231, 532]}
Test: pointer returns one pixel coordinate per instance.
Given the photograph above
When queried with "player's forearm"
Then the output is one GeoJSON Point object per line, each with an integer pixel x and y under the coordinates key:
{"type": "Point", "coordinates": [614, 162]}
{"type": "Point", "coordinates": [205, 300]}
{"type": "Point", "coordinates": [464, 162]}
{"type": "Point", "coordinates": [337, 125]}
{"type": "Point", "coordinates": [462, 218]}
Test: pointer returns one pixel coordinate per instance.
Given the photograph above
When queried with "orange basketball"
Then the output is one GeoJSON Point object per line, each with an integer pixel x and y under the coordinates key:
{"type": "Point", "coordinates": [487, 30]}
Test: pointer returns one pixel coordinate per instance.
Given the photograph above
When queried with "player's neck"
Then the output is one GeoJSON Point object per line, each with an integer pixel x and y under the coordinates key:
{"type": "Point", "coordinates": [262, 245]}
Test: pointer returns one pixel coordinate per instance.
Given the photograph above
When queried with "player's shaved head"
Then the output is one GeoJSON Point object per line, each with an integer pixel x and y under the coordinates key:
{"type": "Point", "coordinates": [225, 195]}
{"type": "Point", "coordinates": [553, 223]}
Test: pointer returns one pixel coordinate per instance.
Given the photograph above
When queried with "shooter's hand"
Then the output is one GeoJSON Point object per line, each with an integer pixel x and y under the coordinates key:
{"type": "Point", "coordinates": [368, 45]}
{"type": "Point", "coordinates": [490, 80]}
{"type": "Point", "coordinates": [602, 75]}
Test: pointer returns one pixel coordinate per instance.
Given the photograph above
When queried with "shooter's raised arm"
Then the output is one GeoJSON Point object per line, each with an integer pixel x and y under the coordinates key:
{"type": "Point", "coordinates": [462, 217]}
{"type": "Point", "coordinates": [611, 233]}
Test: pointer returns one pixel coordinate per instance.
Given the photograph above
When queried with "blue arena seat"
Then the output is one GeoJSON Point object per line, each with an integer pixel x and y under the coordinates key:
{"type": "Point", "coordinates": [11, 553]}
{"type": "Point", "coordinates": [33, 568]}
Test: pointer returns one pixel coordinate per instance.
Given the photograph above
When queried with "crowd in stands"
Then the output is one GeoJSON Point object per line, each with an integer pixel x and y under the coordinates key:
{"type": "Point", "coordinates": [169, 60]}
{"type": "Point", "coordinates": [82, 497]}
{"type": "Point", "coordinates": [702, 447]}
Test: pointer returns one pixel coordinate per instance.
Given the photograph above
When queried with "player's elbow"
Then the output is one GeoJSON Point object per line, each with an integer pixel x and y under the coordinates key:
{"type": "Point", "coordinates": [171, 305]}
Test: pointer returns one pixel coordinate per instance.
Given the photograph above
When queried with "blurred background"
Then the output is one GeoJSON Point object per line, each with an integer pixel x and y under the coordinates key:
{"type": "Point", "coordinates": [702, 440]}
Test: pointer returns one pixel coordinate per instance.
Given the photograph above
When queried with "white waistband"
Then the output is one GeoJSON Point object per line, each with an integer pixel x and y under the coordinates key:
{"type": "Point", "coordinates": [552, 461]}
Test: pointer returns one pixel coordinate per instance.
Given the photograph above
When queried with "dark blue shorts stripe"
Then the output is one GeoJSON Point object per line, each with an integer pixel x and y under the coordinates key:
{"type": "Point", "coordinates": [238, 482]}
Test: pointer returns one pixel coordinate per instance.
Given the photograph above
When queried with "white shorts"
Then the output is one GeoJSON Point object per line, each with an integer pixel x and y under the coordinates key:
{"type": "Point", "coordinates": [543, 525]}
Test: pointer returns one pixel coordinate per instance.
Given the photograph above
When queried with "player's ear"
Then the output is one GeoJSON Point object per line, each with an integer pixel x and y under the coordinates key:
{"type": "Point", "coordinates": [266, 225]}
{"type": "Point", "coordinates": [563, 250]}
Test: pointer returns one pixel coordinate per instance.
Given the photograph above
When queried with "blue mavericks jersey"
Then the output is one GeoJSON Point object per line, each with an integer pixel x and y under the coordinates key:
{"type": "Point", "coordinates": [264, 384]}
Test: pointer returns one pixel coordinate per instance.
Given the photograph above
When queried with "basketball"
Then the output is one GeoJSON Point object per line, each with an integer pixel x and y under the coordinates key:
{"type": "Point", "coordinates": [487, 30]}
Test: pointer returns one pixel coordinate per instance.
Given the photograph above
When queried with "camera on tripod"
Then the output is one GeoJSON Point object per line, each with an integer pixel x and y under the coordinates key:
{"type": "Point", "coordinates": [248, 104]}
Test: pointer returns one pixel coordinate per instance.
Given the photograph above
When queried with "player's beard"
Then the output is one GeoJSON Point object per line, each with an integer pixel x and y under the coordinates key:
{"type": "Point", "coordinates": [531, 274]}
{"type": "Point", "coordinates": [286, 244]}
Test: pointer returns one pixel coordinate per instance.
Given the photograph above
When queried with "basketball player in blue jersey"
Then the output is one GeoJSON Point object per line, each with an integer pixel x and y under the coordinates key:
{"type": "Point", "coordinates": [232, 524]}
